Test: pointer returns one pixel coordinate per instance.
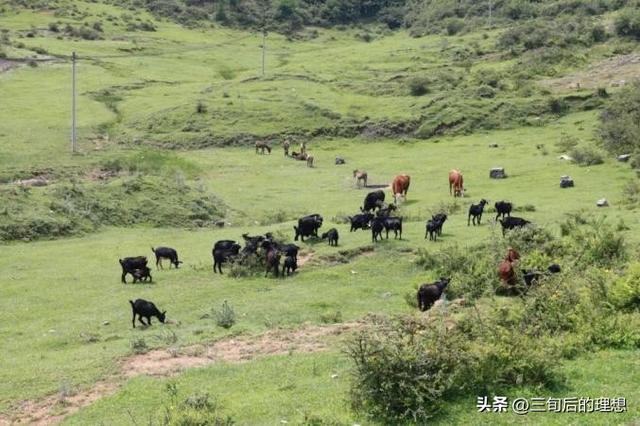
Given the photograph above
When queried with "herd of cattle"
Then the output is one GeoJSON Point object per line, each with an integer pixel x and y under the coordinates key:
{"type": "Point", "coordinates": [375, 215]}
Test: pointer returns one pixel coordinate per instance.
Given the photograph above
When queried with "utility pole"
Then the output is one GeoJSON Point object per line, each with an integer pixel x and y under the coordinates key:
{"type": "Point", "coordinates": [490, 7]}
{"type": "Point", "coordinates": [264, 47]}
{"type": "Point", "coordinates": [74, 147]}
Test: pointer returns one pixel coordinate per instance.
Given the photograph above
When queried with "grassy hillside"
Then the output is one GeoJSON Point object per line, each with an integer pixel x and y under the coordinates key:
{"type": "Point", "coordinates": [167, 117]}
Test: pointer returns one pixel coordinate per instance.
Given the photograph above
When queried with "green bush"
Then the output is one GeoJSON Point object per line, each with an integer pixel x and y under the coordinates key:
{"type": "Point", "coordinates": [627, 23]}
{"type": "Point", "coordinates": [624, 293]}
{"type": "Point", "coordinates": [620, 121]}
{"type": "Point", "coordinates": [567, 143]}
{"type": "Point", "coordinates": [194, 410]}
{"type": "Point", "coordinates": [586, 156]}
{"type": "Point", "coordinates": [418, 85]}
{"type": "Point", "coordinates": [226, 316]}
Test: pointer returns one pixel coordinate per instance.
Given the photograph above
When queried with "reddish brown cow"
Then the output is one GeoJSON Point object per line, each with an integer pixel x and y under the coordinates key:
{"type": "Point", "coordinates": [400, 186]}
{"type": "Point", "coordinates": [512, 255]}
{"type": "Point", "coordinates": [505, 268]}
{"type": "Point", "coordinates": [456, 182]}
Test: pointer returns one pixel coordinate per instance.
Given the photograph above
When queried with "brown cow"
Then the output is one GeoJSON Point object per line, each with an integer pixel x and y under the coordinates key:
{"type": "Point", "coordinates": [360, 175]}
{"type": "Point", "coordinates": [400, 186]}
{"type": "Point", "coordinates": [505, 268]}
{"type": "Point", "coordinates": [262, 145]}
{"type": "Point", "coordinates": [456, 183]}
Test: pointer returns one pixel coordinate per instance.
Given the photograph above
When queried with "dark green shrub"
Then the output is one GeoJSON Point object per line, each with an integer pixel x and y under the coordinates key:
{"type": "Point", "coordinates": [624, 293]}
{"type": "Point", "coordinates": [586, 156]}
{"type": "Point", "coordinates": [418, 85]}
{"type": "Point", "coordinates": [194, 410]}
{"type": "Point", "coordinates": [620, 121]}
{"type": "Point", "coordinates": [226, 316]}
{"type": "Point", "coordinates": [627, 23]}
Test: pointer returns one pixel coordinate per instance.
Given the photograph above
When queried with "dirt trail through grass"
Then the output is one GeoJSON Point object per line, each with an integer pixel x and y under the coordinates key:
{"type": "Point", "coordinates": [171, 361]}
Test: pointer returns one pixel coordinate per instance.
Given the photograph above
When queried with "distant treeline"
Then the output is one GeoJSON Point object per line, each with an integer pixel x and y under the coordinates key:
{"type": "Point", "coordinates": [421, 16]}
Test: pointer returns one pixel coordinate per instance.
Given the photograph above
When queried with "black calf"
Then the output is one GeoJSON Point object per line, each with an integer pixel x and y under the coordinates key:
{"type": "Point", "coordinates": [429, 293]}
{"type": "Point", "coordinates": [332, 235]}
{"type": "Point", "coordinates": [475, 212]}
{"type": "Point", "coordinates": [166, 253]}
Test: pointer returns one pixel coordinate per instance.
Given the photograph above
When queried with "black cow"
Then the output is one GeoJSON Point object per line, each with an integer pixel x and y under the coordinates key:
{"type": "Point", "coordinates": [131, 264]}
{"type": "Point", "coordinates": [360, 221]}
{"type": "Point", "coordinates": [513, 222]}
{"type": "Point", "coordinates": [393, 224]}
{"type": "Point", "coordinates": [429, 293]}
{"type": "Point", "coordinates": [373, 201]}
{"type": "Point", "coordinates": [224, 254]}
{"type": "Point", "coordinates": [224, 244]}
{"type": "Point", "coordinates": [145, 309]}
{"type": "Point", "coordinates": [332, 236]}
{"type": "Point", "coordinates": [308, 226]}
{"type": "Point", "coordinates": [475, 212]}
{"type": "Point", "coordinates": [290, 265]}
{"type": "Point", "coordinates": [166, 253]}
{"type": "Point", "coordinates": [503, 208]}
{"type": "Point", "coordinates": [252, 243]}
{"type": "Point", "coordinates": [377, 225]}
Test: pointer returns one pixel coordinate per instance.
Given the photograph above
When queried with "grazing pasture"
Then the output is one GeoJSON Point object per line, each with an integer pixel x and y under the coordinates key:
{"type": "Point", "coordinates": [170, 121]}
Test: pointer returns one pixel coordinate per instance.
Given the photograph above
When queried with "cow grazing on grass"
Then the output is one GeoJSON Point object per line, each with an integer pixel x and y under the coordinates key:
{"type": "Point", "coordinates": [428, 294]}
{"type": "Point", "coordinates": [225, 253]}
{"type": "Point", "coordinates": [131, 264]}
{"type": "Point", "coordinates": [393, 224]}
{"type": "Point", "coordinates": [262, 146]}
{"type": "Point", "coordinates": [332, 235]}
{"type": "Point", "coordinates": [503, 208]}
{"type": "Point", "coordinates": [360, 176]}
{"type": "Point", "coordinates": [360, 221]}
{"type": "Point", "coordinates": [400, 186]}
{"type": "Point", "coordinates": [308, 226]}
{"type": "Point", "coordinates": [475, 212]}
{"type": "Point", "coordinates": [456, 183]}
{"type": "Point", "coordinates": [513, 222]}
{"type": "Point", "coordinates": [166, 253]}
{"type": "Point", "coordinates": [372, 201]}
{"type": "Point", "coordinates": [290, 265]}
{"type": "Point", "coordinates": [377, 225]}
{"type": "Point", "coordinates": [145, 309]}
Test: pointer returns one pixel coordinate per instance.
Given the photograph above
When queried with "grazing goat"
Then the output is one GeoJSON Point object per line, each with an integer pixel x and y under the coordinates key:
{"type": "Point", "coordinates": [440, 219]}
{"type": "Point", "coordinates": [332, 236]}
{"type": "Point", "coordinates": [373, 201]}
{"type": "Point", "coordinates": [131, 264]}
{"type": "Point", "coordinates": [503, 208]}
{"type": "Point", "coordinates": [431, 230]}
{"type": "Point", "coordinates": [224, 254]}
{"type": "Point", "coordinates": [145, 309]}
{"type": "Point", "coordinates": [360, 176]}
{"type": "Point", "coordinates": [262, 146]}
{"type": "Point", "coordinates": [360, 221]}
{"type": "Point", "coordinates": [166, 253]}
{"type": "Point", "coordinates": [393, 224]}
{"type": "Point", "coordinates": [429, 293]}
{"type": "Point", "coordinates": [513, 222]}
{"type": "Point", "coordinates": [475, 212]}
{"type": "Point", "coordinates": [308, 226]}
{"type": "Point", "coordinates": [290, 265]}
{"type": "Point", "coordinates": [142, 274]}
{"type": "Point", "coordinates": [377, 225]}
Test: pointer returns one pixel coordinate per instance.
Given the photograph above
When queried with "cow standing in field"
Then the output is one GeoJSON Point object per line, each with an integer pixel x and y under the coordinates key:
{"type": "Point", "coordinates": [373, 200]}
{"type": "Point", "coordinates": [308, 226]}
{"type": "Point", "coordinates": [400, 186]}
{"type": "Point", "coordinates": [360, 176]}
{"type": "Point", "coordinates": [456, 183]}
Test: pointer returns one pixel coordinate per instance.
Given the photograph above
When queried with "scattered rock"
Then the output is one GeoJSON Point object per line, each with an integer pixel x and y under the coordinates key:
{"type": "Point", "coordinates": [565, 157]}
{"type": "Point", "coordinates": [334, 376]}
{"type": "Point", "coordinates": [340, 160]}
{"type": "Point", "coordinates": [566, 182]}
{"type": "Point", "coordinates": [220, 224]}
{"type": "Point", "coordinates": [624, 157]}
{"type": "Point", "coordinates": [602, 202]}
{"type": "Point", "coordinates": [105, 323]}
{"type": "Point", "coordinates": [37, 181]}
{"type": "Point", "coordinates": [497, 173]}
{"type": "Point", "coordinates": [493, 145]}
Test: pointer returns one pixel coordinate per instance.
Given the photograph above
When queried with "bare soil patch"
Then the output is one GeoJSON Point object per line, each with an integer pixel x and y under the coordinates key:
{"type": "Point", "coordinates": [6, 65]}
{"type": "Point", "coordinates": [168, 362]}
{"type": "Point", "coordinates": [611, 72]}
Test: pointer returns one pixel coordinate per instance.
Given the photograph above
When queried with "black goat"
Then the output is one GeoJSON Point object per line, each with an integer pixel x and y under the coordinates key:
{"type": "Point", "coordinates": [431, 230]}
{"type": "Point", "coordinates": [440, 219]}
{"type": "Point", "coordinates": [429, 293]}
{"type": "Point", "coordinates": [377, 225]}
{"type": "Point", "coordinates": [332, 235]}
{"type": "Point", "coordinates": [142, 274]}
{"type": "Point", "coordinates": [475, 212]}
{"type": "Point", "coordinates": [166, 253]}
{"type": "Point", "coordinates": [273, 260]}
{"type": "Point", "coordinates": [513, 222]}
{"type": "Point", "coordinates": [290, 265]}
{"type": "Point", "coordinates": [503, 208]}
{"type": "Point", "coordinates": [226, 253]}
{"type": "Point", "coordinates": [145, 309]}
{"type": "Point", "coordinates": [360, 221]}
{"type": "Point", "coordinates": [393, 224]}
{"type": "Point", "coordinates": [131, 264]}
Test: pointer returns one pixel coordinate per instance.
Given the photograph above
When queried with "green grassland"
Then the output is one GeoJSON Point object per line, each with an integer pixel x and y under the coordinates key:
{"type": "Point", "coordinates": [67, 315]}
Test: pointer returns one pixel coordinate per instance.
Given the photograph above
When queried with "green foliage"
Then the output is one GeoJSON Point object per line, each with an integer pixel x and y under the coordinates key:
{"type": "Point", "coordinates": [594, 241]}
{"type": "Point", "coordinates": [586, 155]}
{"type": "Point", "coordinates": [198, 409]}
{"type": "Point", "coordinates": [620, 121]}
{"type": "Point", "coordinates": [566, 143]}
{"type": "Point", "coordinates": [627, 23]}
{"type": "Point", "coordinates": [139, 345]}
{"type": "Point", "coordinates": [624, 293]}
{"type": "Point", "coordinates": [418, 85]}
{"type": "Point", "coordinates": [226, 316]}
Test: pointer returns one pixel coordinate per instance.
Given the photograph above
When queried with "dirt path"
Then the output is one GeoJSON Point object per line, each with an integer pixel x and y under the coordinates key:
{"type": "Point", "coordinates": [168, 362]}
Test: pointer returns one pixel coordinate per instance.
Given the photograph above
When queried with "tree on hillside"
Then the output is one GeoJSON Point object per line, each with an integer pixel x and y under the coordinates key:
{"type": "Point", "coordinates": [620, 121]}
